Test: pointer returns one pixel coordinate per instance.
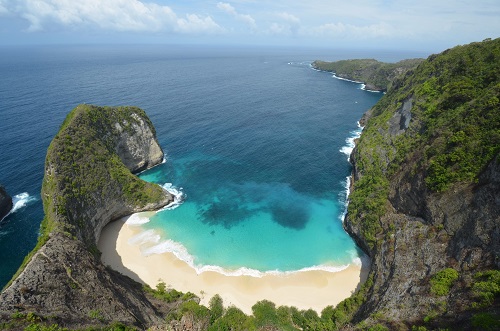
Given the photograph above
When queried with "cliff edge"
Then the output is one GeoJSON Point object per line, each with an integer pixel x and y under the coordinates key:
{"type": "Point", "coordinates": [88, 182]}
{"type": "Point", "coordinates": [5, 202]}
{"type": "Point", "coordinates": [425, 201]}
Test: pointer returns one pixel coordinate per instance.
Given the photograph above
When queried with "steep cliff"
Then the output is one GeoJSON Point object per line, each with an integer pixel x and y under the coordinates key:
{"type": "Point", "coordinates": [378, 76]}
{"type": "Point", "coordinates": [5, 203]}
{"type": "Point", "coordinates": [425, 202]}
{"type": "Point", "coordinates": [88, 183]}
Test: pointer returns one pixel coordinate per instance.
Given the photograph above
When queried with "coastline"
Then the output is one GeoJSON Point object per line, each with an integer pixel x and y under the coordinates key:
{"type": "Point", "coordinates": [363, 84]}
{"type": "Point", "coordinates": [311, 289]}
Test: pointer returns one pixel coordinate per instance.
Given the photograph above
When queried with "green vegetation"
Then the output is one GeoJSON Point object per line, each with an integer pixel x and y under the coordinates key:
{"type": "Point", "coordinates": [454, 131]}
{"type": "Point", "coordinates": [32, 322]}
{"type": "Point", "coordinates": [167, 294]}
{"type": "Point", "coordinates": [216, 307]}
{"type": "Point", "coordinates": [378, 75]}
{"type": "Point", "coordinates": [486, 321]}
{"type": "Point", "coordinates": [83, 169]}
{"type": "Point", "coordinates": [443, 280]}
{"type": "Point", "coordinates": [265, 314]}
{"type": "Point", "coordinates": [486, 288]}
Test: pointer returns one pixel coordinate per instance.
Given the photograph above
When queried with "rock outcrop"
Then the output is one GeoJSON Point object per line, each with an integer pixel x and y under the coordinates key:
{"type": "Point", "coordinates": [5, 202]}
{"type": "Point", "coordinates": [88, 183]}
{"type": "Point", "coordinates": [136, 144]}
{"type": "Point", "coordinates": [426, 194]}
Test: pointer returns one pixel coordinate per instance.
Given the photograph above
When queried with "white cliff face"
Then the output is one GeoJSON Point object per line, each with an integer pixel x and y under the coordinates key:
{"type": "Point", "coordinates": [137, 146]}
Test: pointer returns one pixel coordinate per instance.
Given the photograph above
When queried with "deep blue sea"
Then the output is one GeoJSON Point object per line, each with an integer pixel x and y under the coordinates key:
{"type": "Point", "coordinates": [255, 140]}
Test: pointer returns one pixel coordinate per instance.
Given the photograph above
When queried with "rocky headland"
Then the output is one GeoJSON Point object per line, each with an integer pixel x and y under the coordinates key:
{"type": "Point", "coordinates": [88, 183]}
{"type": "Point", "coordinates": [376, 75]}
{"type": "Point", "coordinates": [5, 202]}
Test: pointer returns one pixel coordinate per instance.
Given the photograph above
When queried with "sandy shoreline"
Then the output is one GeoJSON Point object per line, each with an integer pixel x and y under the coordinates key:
{"type": "Point", "coordinates": [307, 289]}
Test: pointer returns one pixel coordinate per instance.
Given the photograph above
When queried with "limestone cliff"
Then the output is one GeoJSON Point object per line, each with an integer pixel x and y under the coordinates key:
{"type": "Point", "coordinates": [425, 201]}
{"type": "Point", "coordinates": [88, 183]}
{"type": "Point", "coordinates": [5, 202]}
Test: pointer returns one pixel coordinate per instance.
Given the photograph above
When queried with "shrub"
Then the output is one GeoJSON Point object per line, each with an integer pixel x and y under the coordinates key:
{"type": "Point", "coordinates": [443, 280]}
{"type": "Point", "coordinates": [233, 320]}
{"type": "Point", "coordinates": [486, 287]}
{"type": "Point", "coordinates": [486, 321]}
{"type": "Point", "coordinates": [216, 308]}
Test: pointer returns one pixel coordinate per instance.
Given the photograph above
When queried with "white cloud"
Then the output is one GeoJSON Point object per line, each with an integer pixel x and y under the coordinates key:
{"type": "Point", "coordinates": [227, 8]}
{"type": "Point", "coordinates": [279, 29]}
{"type": "Point", "coordinates": [445, 22]}
{"type": "Point", "coordinates": [245, 18]}
{"type": "Point", "coordinates": [289, 26]}
{"type": "Point", "coordinates": [351, 31]}
{"type": "Point", "coordinates": [114, 15]}
{"type": "Point", "coordinates": [197, 24]}
{"type": "Point", "coordinates": [3, 7]}
{"type": "Point", "coordinates": [289, 18]}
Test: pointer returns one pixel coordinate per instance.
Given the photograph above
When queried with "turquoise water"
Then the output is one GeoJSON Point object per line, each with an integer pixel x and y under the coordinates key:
{"type": "Point", "coordinates": [254, 137]}
{"type": "Point", "coordinates": [264, 187]}
{"type": "Point", "coordinates": [254, 234]}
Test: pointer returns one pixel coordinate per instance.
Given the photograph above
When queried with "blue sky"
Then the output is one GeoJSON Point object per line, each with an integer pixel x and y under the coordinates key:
{"type": "Point", "coordinates": [414, 25]}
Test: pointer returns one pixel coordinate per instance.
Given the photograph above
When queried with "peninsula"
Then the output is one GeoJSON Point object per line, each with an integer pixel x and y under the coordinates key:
{"type": "Point", "coordinates": [88, 183]}
{"type": "Point", "coordinates": [376, 75]}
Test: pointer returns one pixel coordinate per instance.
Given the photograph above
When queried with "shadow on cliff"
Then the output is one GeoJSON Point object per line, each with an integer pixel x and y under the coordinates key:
{"type": "Point", "coordinates": [109, 254]}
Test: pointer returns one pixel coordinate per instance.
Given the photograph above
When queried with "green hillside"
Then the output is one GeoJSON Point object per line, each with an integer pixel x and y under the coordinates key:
{"type": "Point", "coordinates": [376, 75]}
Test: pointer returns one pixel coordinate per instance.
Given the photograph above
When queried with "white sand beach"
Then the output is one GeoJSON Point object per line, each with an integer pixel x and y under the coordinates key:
{"type": "Point", "coordinates": [306, 289]}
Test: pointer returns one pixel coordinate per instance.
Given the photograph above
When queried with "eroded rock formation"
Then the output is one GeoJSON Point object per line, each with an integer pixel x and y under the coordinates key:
{"type": "Point", "coordinates": [88, 183]}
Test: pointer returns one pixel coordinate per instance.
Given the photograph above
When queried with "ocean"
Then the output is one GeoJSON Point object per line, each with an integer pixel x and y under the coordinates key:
{"type": "Point", "coordinates": [256, 145]}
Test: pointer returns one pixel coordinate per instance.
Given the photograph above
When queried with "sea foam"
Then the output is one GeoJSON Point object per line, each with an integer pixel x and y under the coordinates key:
{"type": "Point", "coordinates": [348, 151]}
{"type": "Point", "coordinates": [347, 80]}
{"type": "Point", "coordinates": [179, 196]}
{"type": "Point", "coordinates": [148, 236]}
{"type": "Point", "coordinates": [169, 246]}
{"type": "Point", "coordinates": [21, 200]}
{"type": "Point", "coordinates": [136, 219]}
{"type": "Point", "coordinates": [350, 141]}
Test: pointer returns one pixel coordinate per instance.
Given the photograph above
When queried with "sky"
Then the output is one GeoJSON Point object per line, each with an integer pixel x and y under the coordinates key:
{"type": "Point", "coordinates": [427, 25]}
